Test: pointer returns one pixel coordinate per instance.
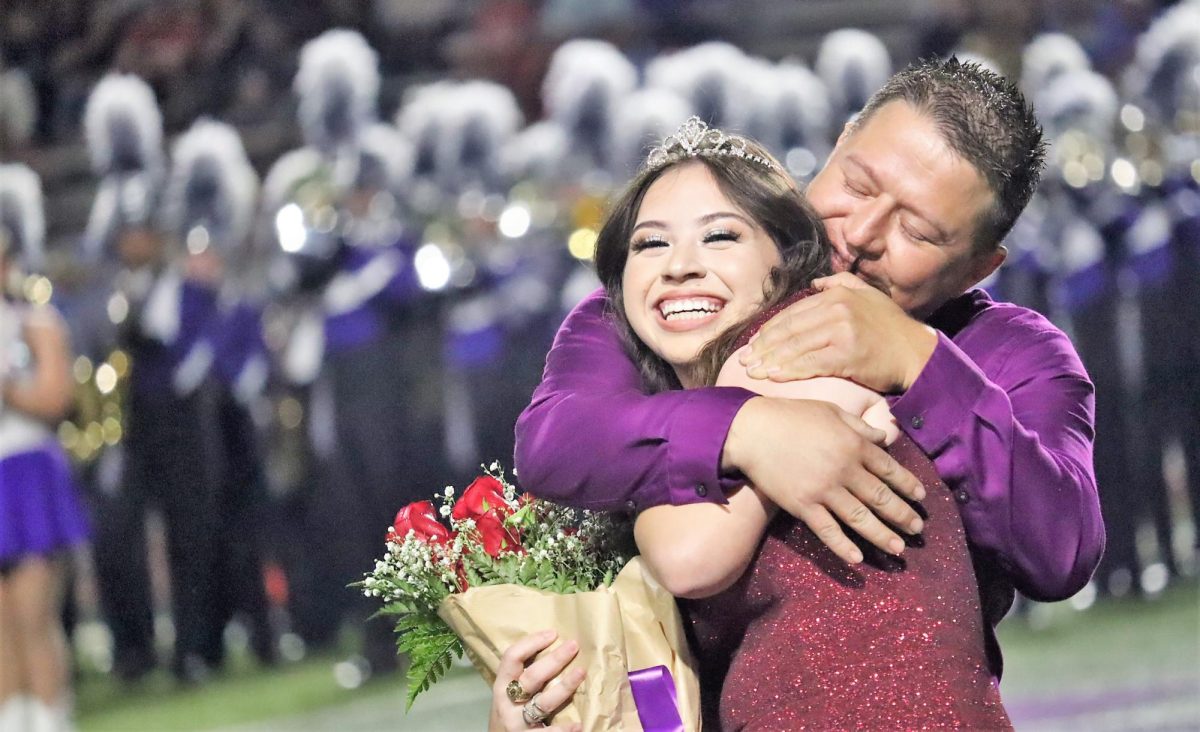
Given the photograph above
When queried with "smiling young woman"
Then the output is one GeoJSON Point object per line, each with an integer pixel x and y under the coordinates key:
{"type": "Point", "coordinates": [685, 236]}
{"type": "Point", "coordinates": [696, 266]}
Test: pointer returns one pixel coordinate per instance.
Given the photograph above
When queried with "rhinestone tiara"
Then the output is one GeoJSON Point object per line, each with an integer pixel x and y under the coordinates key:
{"type": "Point", "coordinates": [695, 138]}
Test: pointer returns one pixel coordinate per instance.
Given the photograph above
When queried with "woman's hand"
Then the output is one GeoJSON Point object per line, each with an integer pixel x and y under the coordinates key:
{"type": "Point", "coordinates": [543, 681]}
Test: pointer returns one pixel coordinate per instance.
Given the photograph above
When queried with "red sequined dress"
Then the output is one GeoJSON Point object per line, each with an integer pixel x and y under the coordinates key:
{"type": "Point", "coordinates": [804, 641]}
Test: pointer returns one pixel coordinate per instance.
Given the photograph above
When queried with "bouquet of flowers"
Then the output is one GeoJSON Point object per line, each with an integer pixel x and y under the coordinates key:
{"type": "Point", "coordinates": [483, 569]}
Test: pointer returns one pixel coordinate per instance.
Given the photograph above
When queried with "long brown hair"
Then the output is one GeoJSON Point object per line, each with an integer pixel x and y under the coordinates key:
{"type": "Point", "coordinates": [769, 197]}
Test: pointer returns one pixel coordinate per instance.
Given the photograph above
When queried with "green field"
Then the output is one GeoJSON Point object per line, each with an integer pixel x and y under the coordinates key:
{"type": "Point", "coordinates": [1129, 664]}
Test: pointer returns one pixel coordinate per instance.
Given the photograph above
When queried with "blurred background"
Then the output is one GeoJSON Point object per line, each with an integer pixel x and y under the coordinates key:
{"type": "Point", "coordinates": [311, 257]}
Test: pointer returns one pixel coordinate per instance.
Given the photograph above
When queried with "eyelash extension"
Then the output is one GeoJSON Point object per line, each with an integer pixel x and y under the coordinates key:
{"type": "Point", "coordinates": [646, 242]}
{"type": "Point", "coordinates": [713, 236]}
{"type": "Point", "coordinates": [721, 235]}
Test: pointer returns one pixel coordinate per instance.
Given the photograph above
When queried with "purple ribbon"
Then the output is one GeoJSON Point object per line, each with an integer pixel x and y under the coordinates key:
{"type": "Point", "coordinates": [654, 697]}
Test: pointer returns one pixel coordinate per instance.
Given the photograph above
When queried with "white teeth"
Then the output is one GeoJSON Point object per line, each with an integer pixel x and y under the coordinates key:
{"type": "Point", "coordinates": [689, 309]}
{"type": "Point", "coordinates": [688, 315]}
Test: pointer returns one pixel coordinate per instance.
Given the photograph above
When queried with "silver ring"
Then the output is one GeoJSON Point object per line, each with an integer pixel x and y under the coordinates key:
{"type": "Point", "coordinates": [532, 713]}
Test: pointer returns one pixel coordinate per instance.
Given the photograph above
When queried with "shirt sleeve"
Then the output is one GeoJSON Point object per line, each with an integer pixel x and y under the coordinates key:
{"type": "Point", "coordinates": [1016, 449]}
{"type": "Point", "coordinates": [591, 438]}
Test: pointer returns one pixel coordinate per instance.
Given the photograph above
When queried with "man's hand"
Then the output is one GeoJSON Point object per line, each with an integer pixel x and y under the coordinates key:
{"type": "Point", "coordinates": [817, 462]}
{"type": "Point", "coordinates": [849, 329]}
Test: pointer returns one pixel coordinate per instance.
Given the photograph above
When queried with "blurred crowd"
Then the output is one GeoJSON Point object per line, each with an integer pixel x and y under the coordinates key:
{"type": "Point", "coordinates": [234, 59]}
{"type": "Point", "coordinates": [274, 368]}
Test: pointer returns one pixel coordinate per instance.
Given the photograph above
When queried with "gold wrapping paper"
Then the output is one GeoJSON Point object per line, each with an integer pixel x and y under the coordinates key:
{"type": "Point", "coordinates": [631, 625]}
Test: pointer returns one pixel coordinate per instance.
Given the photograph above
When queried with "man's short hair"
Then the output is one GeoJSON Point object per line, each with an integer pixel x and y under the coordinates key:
{"type": "Point", "coordinates": [986, 120]}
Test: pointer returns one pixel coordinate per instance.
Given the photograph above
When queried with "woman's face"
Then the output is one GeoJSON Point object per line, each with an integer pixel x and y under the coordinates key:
{"type": "Point", "coordinates": [696, 265]}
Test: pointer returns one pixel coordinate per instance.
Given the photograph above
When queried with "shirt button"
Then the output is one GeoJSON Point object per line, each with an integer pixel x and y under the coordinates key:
{"type": "Point", "coordinates": [917, 422]}
{"type": "Point", "coordinates": [701, 491]}
{"type": "Point", "coordinates": [631, 505]}
{"type": "Point", "coordinates": [962, 496]}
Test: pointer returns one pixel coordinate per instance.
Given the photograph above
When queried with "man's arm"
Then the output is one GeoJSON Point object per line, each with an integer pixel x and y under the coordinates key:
{"type": "Point", "coordinates": [1015, 445]}
{"type": "Point", "coordinates": [591, 438]}
{"type": "Point", "coordinates": [1007, 418]}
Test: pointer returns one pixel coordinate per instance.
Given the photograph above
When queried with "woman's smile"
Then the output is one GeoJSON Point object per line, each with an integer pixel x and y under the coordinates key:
{"type": "Point", "coordinates": [679, 313]}
{"type": "Point", "coordinates": [696, 265]}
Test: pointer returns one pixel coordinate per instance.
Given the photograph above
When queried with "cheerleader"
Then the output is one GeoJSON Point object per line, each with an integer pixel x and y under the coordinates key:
{"type": "Point", "coordinates": [41, 517]}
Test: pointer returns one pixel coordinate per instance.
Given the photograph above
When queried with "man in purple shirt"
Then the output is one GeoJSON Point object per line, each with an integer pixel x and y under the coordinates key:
{"type": "Point", "coordinates": [917, 196]}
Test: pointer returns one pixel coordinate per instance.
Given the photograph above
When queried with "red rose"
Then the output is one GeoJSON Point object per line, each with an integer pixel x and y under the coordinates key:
{"type": "Point", "coordinates": [421, 518]}
{"type": "Point", "coordinates": [484, 497]}
{"type": "Point", "coordinates": [497, 537]}
{"type": "Point", "coordinates": [484, 502]}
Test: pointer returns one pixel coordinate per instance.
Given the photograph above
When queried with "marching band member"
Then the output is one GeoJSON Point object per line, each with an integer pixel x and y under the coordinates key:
{"type": "Point", "coordinates": [160, 310]}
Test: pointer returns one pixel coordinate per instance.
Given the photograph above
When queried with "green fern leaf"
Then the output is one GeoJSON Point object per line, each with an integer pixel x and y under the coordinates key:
{"type": "Point", "coordinates": [431, 648]}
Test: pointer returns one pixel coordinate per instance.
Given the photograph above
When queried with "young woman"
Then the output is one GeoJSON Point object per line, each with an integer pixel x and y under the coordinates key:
{"type": "Point", "coordinates": [40, 513]}
{"type": "Point", "coordinates": [706, 243]}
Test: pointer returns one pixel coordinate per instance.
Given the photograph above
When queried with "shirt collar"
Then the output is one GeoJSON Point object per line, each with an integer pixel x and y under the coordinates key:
{"type": "Point", "coordinates": [956, 314]}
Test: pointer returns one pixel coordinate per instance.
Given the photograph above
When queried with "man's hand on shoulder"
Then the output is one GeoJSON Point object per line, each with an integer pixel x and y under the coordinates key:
{"type": "Point", "coordinates": [820, 464]}
{"type": "Point", "coordinates": [848, 329]}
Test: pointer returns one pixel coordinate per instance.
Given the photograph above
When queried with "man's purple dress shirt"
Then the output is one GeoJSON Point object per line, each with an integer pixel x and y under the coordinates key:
{"type": "Point", "coordinates": [1004, 408]}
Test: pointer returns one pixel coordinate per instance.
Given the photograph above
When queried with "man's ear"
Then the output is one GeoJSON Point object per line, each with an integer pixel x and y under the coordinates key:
{"type": "Point", "coordinates": [988, 263]}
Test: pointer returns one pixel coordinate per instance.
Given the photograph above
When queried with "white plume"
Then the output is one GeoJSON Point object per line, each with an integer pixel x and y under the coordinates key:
{"type": "Point", "coordinates": [1078, 100]}
{"type": "Point", "coordinates": [123, 126]}
{"type": "Point", "coordinates": [1047, 56]}
{"type": "Point", "coordinates": [802, 108]}
{"type": "Point", "coordinates": [481, 116]}
{"type": "Point", "coordinates": [537, 152]}
{"type": "Point", "coordinates": [338, 86]}
{"type": "Point", "coordinates": [422, 118]}
{"type": "Point", "coordinates": [1169, 47]}
{"type": "Point", "coordinates": [854, 64]}
{"type": "Point", "coordinates": [1178, 27]}
{"type": "Point", "coordinates": [18, 106]}
{"type": "Point", "coordinates": [643, 119]}
{"type": "Point", "coordinates": [22, 209]}
{"type": "Point", "coordinates": [385, 153]}
{"type": "Point", "coordinates": [711, 76]}
{"type": "Point", "coordinates": [212, 184]}
{"type": "Point", "coordinates": [583, 71]}
{"type": "Point", "coordinates": [761, 94]}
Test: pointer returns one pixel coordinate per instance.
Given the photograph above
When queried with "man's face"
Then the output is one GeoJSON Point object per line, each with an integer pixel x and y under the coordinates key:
{"type": "Point", "coordinates": [900, 207]}
{"type": "Point", "coordinates": [139, 246]}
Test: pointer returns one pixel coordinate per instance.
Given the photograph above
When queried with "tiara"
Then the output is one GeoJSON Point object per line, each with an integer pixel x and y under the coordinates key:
{"type": "Point", "coordinates": [695, 138]}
